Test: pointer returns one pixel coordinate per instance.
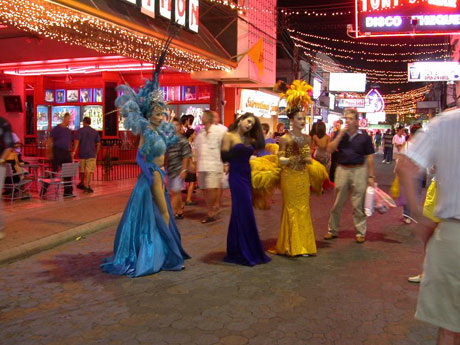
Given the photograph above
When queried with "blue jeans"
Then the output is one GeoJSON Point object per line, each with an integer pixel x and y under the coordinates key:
{"type": "Point", "coordinates": [388, 154]}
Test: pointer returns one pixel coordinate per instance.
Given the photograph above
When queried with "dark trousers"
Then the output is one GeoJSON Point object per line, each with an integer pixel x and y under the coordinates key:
{"type": "Point", "coordinates": [388, 154]}
{"type": "Point", "coordinates": [60, 156]}
{"type": "Point", "coordinates": [332, 168]}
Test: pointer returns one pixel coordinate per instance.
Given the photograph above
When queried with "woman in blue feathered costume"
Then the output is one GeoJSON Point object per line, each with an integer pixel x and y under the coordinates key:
{"type": "Point", "coordinates": [147, 238]}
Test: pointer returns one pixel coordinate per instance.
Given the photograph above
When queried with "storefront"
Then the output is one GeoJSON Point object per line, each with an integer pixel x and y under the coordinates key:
{"type": "Point", "coordinates": [69, 56]}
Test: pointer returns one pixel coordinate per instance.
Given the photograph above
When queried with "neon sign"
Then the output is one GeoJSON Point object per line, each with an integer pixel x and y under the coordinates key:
{"type": "Point", "coordinates": [183, 12]}
{"type": "Point", "coordinates": [406, 17]}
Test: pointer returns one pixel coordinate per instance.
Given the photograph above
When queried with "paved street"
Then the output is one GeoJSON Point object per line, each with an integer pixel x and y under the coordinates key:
{"type": "Point", "coordinates": [348, 294]}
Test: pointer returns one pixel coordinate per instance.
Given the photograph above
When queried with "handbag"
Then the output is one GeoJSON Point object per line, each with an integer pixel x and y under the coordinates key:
{"type": "Point", "coordinates": [429, 207]}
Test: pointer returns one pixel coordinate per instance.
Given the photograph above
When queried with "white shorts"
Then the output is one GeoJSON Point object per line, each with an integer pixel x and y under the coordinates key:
{"type": "Point", "coordinates": [175, 183]}
{"type": "Point", "coordinates": [209, 179]}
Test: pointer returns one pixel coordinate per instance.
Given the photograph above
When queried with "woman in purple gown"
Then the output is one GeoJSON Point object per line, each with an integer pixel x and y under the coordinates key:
{"type": "Point", "coordinates": [243, 243]}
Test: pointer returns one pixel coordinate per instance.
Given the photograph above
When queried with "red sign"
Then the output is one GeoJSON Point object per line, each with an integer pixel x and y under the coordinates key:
{"type": "Point", "coordinates": [375, 18]}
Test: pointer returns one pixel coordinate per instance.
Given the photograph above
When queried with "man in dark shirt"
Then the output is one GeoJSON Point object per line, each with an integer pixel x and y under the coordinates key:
{"type": "Point", "coordinates": [177, 162]}
{"type": "Point", "coordinates": [89, 143]}
{"type": "Point", "coordinates": [355, 171]}
{"type": "Point", "coordinates": [58, 151]}
{"type": "Point", "coordinates": [6, 146]}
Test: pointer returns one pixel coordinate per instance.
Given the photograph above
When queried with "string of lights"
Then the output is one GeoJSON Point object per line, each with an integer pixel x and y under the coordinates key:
{"type": "Point", "coordinates": [329, 66]}
{"type": "Point", "coordinates": [75, 28]}
{"type": "Point", "coordinates": [241, 9]}
{"type": "Point", "coordinates": [291, 13]}
{"type": "Point", "coordinates": [364, 52]}
{"type": "Point", "coordinates": [362, 57]}
{"type": "Point", "coordinates": [405, 102]}
{"type": "Point", "coordinates": [362, 43]}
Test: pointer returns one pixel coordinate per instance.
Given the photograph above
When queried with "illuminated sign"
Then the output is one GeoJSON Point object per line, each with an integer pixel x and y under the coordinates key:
{"type": "Point", "coordinates": [351, 103]}
{"type": "Point", "coordinates": [406, 17]}
{"type": "Point", "coordinates": [347, 82]}
{"type": "Point", "coordinates": [373, 102]}
{"type": "Point", "coordinates": [183, 12]}
{"type": "Point", "coordinates": [317, 85]}
{"type": "Point", "coordinates": [433, 71]}
{"type": "Point", "coordinates": [259, 103]}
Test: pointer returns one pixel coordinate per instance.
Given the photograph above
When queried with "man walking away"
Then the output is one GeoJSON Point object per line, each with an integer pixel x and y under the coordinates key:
{"type": "Point", "coordinates": [89, 143]}
{"type": "Point", "coordinates": [210, 167]}
{"type": "Point", "coordinates": [177, 164]}
{"type": "Point", "coordinates": [58, 151]}
{"type": "Point", "coordinates": [388, 147]}
{"type": "Point", "coordinates": [355, 171]}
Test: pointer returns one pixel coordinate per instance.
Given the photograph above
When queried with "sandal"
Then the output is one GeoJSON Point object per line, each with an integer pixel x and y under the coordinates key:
{"type": "Point", "coordinates": [190, 203]}
{"type": "Point", "coordinates": [179, 216]}
{"type": "Point", "coordinates": [208, 220]}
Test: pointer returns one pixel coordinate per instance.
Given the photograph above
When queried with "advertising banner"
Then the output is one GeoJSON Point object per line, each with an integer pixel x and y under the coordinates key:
{"type": "Point", "coordinates": [433, 71]}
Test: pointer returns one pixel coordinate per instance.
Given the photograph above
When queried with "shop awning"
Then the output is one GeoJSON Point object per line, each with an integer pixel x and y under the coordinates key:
{"type": "Point", "coordinates": [115, 28]}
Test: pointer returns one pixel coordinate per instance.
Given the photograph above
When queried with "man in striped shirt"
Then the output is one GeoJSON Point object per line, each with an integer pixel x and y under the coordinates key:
{"type": "Point", "coordinates": [439, 298]}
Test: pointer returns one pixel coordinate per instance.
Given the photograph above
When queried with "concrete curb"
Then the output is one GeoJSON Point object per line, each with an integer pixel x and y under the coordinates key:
{"type": "Point", "coordinates": [49, 242]}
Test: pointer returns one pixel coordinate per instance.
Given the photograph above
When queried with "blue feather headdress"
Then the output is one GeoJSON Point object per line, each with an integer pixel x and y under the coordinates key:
{"type": "Point", "coordinates": [136, 108]}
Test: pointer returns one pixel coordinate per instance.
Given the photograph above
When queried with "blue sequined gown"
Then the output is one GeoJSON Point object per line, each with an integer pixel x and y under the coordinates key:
{"type": "Point", "coordinates": [243, 243]}
{"type": "Point", "coordinates": [144, 243]}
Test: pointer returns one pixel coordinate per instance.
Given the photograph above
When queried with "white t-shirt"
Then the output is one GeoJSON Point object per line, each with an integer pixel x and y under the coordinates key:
{"type": "Point", "coordinates": [207, 149]}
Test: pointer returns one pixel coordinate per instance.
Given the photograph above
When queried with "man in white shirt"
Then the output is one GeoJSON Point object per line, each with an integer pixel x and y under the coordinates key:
{"type": "Point", "coordinates": [209, 164]}
{"type": "Point", "coordinates": [399, 139]}
{"type": "Point", "coordinates": [439, 297]}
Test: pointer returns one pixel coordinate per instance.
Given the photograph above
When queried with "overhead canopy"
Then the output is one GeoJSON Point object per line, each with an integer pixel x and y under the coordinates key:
{"type": "Point", "coordinates": [115, 28]}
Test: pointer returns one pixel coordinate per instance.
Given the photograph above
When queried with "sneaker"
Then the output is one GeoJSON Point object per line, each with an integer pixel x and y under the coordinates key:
{"type": "Point", "coordinates": [415, 279]}
{"type": "Point", "coordinates": [384, 161]}
{"type": "Point", "coordinates": [407, 221]}
{"type": "Point", "coordinates": [81, 186]}
{"type": "Point", "coordinates": [329, 236]}
{"type": "Point", "coordinates": [388, 162]}
{"type": "Point", "coordinates": [89, 190]}
{"type": "Point", "coordinates": [360, 239]}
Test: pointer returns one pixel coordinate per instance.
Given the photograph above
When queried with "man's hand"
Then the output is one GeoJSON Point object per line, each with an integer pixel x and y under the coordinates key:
{"type": "Point", "coordinates": [371, 181]}
{"type": "Point", "coordinates": [425, 228]}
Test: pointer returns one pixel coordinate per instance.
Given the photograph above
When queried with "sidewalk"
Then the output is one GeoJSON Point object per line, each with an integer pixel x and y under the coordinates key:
{"type": "Point", "coordinates": [35, 225]}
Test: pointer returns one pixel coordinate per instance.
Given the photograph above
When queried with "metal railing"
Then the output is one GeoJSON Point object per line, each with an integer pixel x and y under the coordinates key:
{"type": "Point", "coordinates": [113, 162]}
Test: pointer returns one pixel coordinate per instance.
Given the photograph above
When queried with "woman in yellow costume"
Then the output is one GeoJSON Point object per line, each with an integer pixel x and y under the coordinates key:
{"type": "Point", "coordinates": [296, 236]}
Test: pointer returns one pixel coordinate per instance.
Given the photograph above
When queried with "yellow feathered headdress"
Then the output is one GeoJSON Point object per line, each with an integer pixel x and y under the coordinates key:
{"type": "Point", "coordinates": [297, 94]}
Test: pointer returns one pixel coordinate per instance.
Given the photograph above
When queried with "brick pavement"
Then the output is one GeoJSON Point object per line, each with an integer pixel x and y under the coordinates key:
{"type": "Point", "coordinates": [348, 294]}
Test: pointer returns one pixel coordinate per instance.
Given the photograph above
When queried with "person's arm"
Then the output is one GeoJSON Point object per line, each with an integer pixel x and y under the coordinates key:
{"type": "Point", "coordinates": [334, 143]}
{"type": "Point", "coordinates": [282, 152]}
{"type": "Point", "coordinates": [225, 147]}
{"type": "Point", "coordinates": [75, 149]}
{"type": "Point", "coordinates": [186, 160]}
{"type": "Point", "coordinates": [98, 147]}
{"type": "Point", "coordinates": [370, 170]}
{"type": "Point", "coordinates": [407, 171]}
{"type": "Point", "coordinates": [159, 196]}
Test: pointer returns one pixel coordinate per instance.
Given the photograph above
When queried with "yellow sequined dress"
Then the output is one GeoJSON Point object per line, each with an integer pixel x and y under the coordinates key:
{"type": "Point", "coordinates": [296, 236]}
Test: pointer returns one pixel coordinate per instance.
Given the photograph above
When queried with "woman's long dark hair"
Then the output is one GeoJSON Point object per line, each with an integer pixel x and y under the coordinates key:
{"type": "Point", "coordinates": [256, 133]}
{"type": "Point", "coordinates": [320, 129]}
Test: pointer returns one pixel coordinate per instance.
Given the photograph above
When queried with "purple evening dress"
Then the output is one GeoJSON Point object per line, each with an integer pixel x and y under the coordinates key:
{"type": "Point", "coordinates": [243, 243]}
